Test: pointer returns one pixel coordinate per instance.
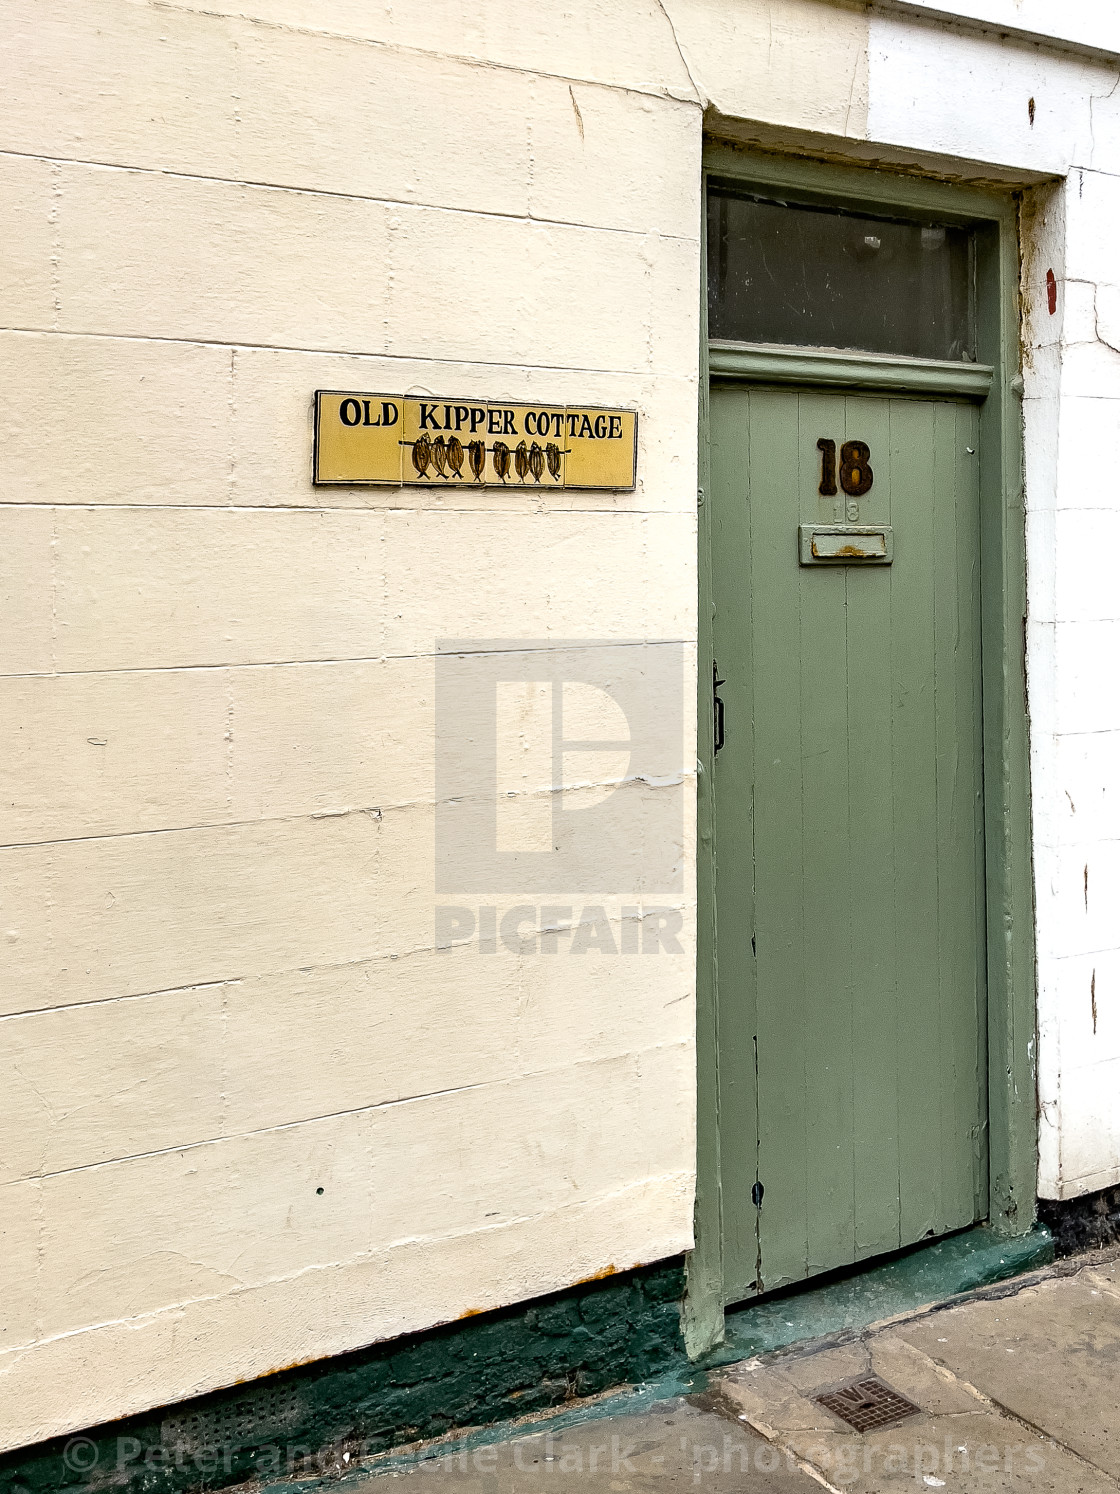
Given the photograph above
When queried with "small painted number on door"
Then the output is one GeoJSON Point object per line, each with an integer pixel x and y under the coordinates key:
{"type": "Point", "coordinates": [856, 475]}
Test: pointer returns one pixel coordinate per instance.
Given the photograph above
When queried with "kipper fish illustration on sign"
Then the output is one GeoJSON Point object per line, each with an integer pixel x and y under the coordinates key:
{"type": "Point", "coordinates": [389, 440]}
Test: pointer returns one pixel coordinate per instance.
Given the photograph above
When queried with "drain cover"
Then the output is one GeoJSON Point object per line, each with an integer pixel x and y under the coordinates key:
{"type": "Point", "coordinates": [867, 1404]}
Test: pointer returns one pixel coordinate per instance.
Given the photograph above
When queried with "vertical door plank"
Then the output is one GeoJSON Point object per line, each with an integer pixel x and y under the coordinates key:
{"type": "Point", "coordinates": [959, 807]}
{"type": "Point", "coordinates": [870, 888]}
{"type": "Point", "coordinates": [734, 772]}
{"type": "Point", "coordinates": [968, 551]}
{"type": "Point", "coordinates": [827, 1036]}
{"type": "Point", "coordinates": [787, 1015]}
{"type": "Point", "coordinates": [915, 818]}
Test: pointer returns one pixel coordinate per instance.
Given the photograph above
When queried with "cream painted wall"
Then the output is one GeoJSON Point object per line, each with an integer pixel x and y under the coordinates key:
{"type": "Point", "coordinates": [799, 63]}
{"type": "Point", "coordinates": [218, 991]}
{"type": "Point", "coordinates": [248, 1114]}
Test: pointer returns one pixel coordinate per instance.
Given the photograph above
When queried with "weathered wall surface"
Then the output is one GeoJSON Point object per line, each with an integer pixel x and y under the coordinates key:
{"type": "Point", "coordinates": [248, 1114]}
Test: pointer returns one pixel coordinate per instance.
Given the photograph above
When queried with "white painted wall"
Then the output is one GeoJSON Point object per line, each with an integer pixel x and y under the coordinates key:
{"type": "Point", "coordinates": [217, 976]}
{"type": "Point", "coordinates": [217, 987]}
{"type": "Point", "coordinates": [1092, 24]}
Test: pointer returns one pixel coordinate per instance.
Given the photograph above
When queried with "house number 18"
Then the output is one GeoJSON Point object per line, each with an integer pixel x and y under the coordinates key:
{"type": "Point", "coordinates": [855, 474]}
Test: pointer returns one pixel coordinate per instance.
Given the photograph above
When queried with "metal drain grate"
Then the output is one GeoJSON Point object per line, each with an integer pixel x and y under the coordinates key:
{"type": "Point", "coordinates": [867, 1404]}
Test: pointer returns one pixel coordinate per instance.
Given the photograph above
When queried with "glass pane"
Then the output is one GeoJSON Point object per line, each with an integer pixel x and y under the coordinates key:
{"type": "Point", "coordinates": [817, 277]}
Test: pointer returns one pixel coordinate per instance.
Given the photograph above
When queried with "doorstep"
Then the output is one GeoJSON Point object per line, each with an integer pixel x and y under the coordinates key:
{"type": "Point", "coordinates": [902, 1285]}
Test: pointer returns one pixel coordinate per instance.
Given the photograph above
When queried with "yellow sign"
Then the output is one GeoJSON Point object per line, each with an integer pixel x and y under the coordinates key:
{"type": "Point", "coordinates": [388, 440]}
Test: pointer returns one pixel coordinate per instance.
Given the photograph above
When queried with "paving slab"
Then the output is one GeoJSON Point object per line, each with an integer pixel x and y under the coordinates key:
{"type": "Point", "coordinates": [955, 1441]}
{"type": "Point", "coordinates": [674, 1446]}
{"type": "Point", "coordinates": [1105, 1273]}
{"type": "Point", "coordinates": [1049, 1354]}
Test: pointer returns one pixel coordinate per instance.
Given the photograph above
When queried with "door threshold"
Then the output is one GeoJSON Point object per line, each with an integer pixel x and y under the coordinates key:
{"type": "Point", "coordinates": [881, 1289]}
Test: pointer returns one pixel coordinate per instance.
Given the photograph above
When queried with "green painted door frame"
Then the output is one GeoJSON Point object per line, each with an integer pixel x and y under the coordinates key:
{"type": "Point", "coordinates": [1012, 1115]}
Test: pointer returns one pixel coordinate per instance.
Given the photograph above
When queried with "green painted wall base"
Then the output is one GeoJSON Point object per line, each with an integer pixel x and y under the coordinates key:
{"type": "Point", "coordinates": [930, 1273]}
{"type": "Point", "coordinates": [483, 1369]}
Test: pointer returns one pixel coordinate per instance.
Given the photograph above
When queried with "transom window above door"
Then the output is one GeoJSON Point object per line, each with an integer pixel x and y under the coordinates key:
{"type": "Point", "coordinates": [811, 275]}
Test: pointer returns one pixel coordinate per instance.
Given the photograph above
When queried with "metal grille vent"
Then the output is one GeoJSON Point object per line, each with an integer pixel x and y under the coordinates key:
{"type": "Point", "coordinates": [235, 1424]}
{"type": "Point", "coordinates": [867, 1404]}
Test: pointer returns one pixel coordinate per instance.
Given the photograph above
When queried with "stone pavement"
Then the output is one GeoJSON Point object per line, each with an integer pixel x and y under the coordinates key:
{"type": "Point", "coordinates": [1017, 1389]}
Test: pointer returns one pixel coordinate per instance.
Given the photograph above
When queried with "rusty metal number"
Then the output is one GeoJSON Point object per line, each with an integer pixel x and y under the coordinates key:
{"type": "Point", "coordinates": [827, 450]}
{"type": "Point", "coordinates": [856, 475]}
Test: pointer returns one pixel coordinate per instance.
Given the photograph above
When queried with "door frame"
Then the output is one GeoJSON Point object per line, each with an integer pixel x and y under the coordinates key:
{"type": "Point", "coordinates": [1012, 1101]}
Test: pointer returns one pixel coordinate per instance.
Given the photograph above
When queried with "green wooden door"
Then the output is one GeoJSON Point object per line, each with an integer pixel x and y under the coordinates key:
{"type": "Point", "coordinates": [849, 835]}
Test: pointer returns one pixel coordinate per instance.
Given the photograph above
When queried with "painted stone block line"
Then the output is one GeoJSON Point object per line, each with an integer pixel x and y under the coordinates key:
{"type": "Point", "coordinates": [341, 1039]}
{"type": "Point", "coordinates": [511, 182]}
{"type": "Point", "coordinates": [95, 754]}
{"type": "Point", "coordinates": [486, 1368]}
{"type": "Point", "coordinates": [27, 285]}
{"type": "Point", "coordinates": [624, 44]}
{"type": "Point", "coordinates": [108, 420]}
{"type": "Point", "coordinates": [157, 588]}
{"type": "Point", "coordinates": [172, 93]}
{"type": "Point", "coordinates": [166, 424]}
{"type": "Point", "coordinates": [476, 316]}
{"type": "Point", "coordinates": [169, 1356]}
{"type": "Point", "coordinates": [808, 63]}
{"type": "Point", "coordinates": [130, 1071]}
{"type": "Point", "coordinates": [114, 753]}
{"type": "Point", "coordinates": [26, 587]}
{"type": "Point", "coordinates": [602, 129]}
{"type": "Point", "coordinates": [166, 279]}
{"type": "Point", "coordinates": [135, 228]}
{"type": "Point", "coordinates": [317, 1192]}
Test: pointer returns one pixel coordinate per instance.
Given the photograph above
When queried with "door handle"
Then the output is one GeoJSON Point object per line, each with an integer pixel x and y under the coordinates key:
{"type": "Point", "coordinates": [717, 704]}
